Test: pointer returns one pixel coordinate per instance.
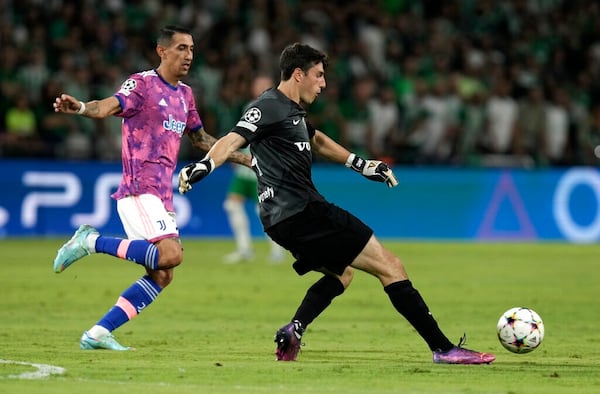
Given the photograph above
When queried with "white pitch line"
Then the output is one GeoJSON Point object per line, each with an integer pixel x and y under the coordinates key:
{"type": "Point", "coordinates": [43, 370]}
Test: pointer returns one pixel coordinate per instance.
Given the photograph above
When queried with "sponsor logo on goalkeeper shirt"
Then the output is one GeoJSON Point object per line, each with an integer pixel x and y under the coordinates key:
{"type": "Point", "coordinates": [266, 194]}
{"type": "Point", "coordinates": [302, 146]}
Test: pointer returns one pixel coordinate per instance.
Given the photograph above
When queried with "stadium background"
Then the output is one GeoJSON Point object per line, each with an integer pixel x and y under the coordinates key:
{"type": "Point", "coordinates": [418, 83]}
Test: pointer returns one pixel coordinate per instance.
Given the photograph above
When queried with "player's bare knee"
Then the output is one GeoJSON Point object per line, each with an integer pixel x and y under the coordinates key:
{"type": "Point", "coordinates": [161, 277]}
{"type": "Point", "coordinates": [347, 276]}
{"type": "Point", "coordinates": [170, 254]}
{"type": "Point", "coordinates": [170, 260]}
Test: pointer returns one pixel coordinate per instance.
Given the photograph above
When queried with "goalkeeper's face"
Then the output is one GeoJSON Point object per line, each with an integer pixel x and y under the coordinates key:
{"type": "Point", "coordinates": [312, 83]}
{"type": "Point", "coordinates": [177, 56]}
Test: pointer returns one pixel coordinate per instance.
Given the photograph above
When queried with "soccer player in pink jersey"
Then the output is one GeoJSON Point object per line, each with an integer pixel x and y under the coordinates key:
{"type": "Point", "coordinates": [157, 110]}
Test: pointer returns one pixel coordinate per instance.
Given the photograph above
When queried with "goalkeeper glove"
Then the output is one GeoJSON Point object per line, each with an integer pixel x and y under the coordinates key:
{"type": "Point", "coordinates": [194, 172]}
{"type": "Point", "coordinates": [374, 170]}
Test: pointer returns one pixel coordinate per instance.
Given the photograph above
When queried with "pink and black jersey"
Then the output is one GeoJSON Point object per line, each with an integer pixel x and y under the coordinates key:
{"type": "Point", "coordinates": [155, 116]}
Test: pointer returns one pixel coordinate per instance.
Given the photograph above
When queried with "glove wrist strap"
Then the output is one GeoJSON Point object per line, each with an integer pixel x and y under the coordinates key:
{"type": "Point", "coordinates": [210, 163]}
{"type": "Point", "coordinates": [357, 163]}
{"type": "Point", "coordinates": [350, 159]}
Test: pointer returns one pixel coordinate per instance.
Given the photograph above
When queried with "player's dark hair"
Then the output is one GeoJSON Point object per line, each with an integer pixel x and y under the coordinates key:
{"type": "Point", "coordinates": [300, 56]}
{"type": "Point", "coordinates": [165, 34]}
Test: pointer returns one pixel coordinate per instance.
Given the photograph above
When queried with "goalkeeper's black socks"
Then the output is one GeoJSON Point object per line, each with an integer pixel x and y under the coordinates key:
{"type": "Point", "coordinates": [407, 300]}
{"type": "Point", "coordinates": [317, 298]}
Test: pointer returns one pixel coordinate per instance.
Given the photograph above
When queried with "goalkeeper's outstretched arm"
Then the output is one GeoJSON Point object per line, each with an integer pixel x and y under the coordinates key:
{"type": "Point", "coordinates": [204, 142]}
{"type": "Point", "coordinates": [374, 170]}
{"type": "Point", "coordinates": [328, 148]}
{"type": "Point", "coordinates": [221, 151]}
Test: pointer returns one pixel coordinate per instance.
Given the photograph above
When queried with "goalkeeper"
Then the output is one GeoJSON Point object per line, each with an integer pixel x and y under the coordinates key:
{"type": "Point", "coordinates": [321, 236]}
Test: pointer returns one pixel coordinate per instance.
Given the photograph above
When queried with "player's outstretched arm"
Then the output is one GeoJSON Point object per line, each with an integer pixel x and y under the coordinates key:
{"type": "Point", "coordinates": [374, 170]}
{"type": "Point", "coordinates": [221, 150]}
{"type": "Point", "coordinates": [204, 142]}
{"type": "Point", "coordinates": [97, 109]}
{"type": "Point", "coordinates": [328, 148]}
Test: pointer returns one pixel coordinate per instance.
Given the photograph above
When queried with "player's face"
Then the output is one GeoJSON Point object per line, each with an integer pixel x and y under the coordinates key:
{"type": "Point", "coordinates": [177, 57]}
{"type": "Point", "coordinates": [312, 83]}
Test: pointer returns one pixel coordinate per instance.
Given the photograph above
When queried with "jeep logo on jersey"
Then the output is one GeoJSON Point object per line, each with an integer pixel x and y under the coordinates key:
{"type": "Point", "coordinates": [128, 86]}
{"type": "Point", "coordinates": [174, 125]}
{"type": "Point", "coordinates": [252, 115]}
{"type": "Point", "coordinates": [302, 145]}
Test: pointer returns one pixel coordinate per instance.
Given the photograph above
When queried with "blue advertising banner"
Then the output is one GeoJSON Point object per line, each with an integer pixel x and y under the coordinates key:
{"type": "Point", "coordinates": [43, 198]}
{"type": "Point", "coordinates": [475, 204]}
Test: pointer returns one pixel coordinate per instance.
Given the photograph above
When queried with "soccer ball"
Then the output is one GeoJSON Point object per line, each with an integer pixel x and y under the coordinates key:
{"type": "Point", "coordinates": [520, 330]}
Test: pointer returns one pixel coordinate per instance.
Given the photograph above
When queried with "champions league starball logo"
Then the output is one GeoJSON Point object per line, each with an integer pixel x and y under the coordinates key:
{"type": "Point", "coordinates": [252, 115]}
{"type": "Point", "coordinates": [128, 86]}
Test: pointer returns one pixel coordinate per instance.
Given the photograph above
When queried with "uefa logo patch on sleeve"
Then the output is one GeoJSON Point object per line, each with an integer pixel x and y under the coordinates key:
{"type": "Point", "coordinates": [252, 115]}
{"type": "Point", "coordinates": [128, 86]}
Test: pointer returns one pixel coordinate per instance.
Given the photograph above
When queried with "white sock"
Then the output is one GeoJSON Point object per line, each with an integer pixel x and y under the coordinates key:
{"type": "Point", "coordinates": [240, 226]}
{"type": "Point", "coordinates": [98, 332]}
{"type": "Point", "coordinates": [91, 242]}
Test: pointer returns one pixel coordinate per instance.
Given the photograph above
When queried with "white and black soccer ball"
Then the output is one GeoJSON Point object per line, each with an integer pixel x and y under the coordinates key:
{"type": "Point", "coordinates": [520, 330]}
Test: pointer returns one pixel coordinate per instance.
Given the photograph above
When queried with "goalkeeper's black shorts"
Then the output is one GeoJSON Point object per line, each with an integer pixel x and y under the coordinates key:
{"type": "Point", "coordinates": [322, 236]}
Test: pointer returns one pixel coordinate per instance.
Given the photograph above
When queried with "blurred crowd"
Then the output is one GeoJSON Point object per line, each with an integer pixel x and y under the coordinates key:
{"type": "Point", "coordinates": [416, 82]}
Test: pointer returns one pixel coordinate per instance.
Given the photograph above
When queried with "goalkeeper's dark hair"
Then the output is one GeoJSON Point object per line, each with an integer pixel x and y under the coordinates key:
{"type": "Point", "coordinates": [165, 34]}
{"type": "Point", "coordinates": [300, 56]}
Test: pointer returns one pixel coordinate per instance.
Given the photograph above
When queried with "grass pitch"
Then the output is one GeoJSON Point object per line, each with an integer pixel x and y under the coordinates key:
{"type": "Point", "coordinates": [212, 330]}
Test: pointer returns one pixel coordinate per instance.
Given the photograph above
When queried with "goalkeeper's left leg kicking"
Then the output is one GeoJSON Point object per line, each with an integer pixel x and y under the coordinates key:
{"type": "Point", "coordinates": [326, 238]}
{"type": "Point", "coordinates": [153, 242]}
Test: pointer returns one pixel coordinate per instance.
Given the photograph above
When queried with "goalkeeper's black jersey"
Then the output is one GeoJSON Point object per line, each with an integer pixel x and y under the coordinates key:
{"type": "Point", "coordinates": [279, 139]}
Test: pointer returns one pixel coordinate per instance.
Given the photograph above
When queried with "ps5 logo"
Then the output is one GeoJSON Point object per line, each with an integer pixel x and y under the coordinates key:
{"type": "Point", "coordinates": [64, 190]}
